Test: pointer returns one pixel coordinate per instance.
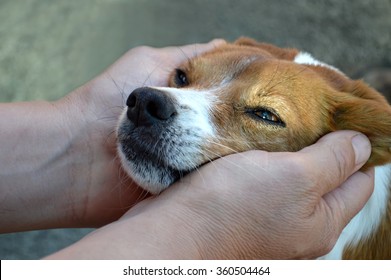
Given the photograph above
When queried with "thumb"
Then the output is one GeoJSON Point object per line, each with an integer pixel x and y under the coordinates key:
{"type": "Point", "coordinates": [343, 191]}
{"type": "Point", "coordinates": [336, 156]}
{"type": "Point", "coordinates": [348, 199]}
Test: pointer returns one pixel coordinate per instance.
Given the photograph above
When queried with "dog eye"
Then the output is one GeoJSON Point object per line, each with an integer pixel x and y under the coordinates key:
{"type": "Point", "coordinates": [180, 78]}
{"type": "Point", "coordinates": [267, 116]}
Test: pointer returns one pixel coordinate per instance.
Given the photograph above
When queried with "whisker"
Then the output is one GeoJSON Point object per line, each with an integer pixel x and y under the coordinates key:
{"type": "Point", "coordinates": [222, 145]}
{"type": "Point", "coordinates": [127, 182]}
{"type": "Point", "coordinates": [121, 90]}
{"type": "Point", "coordinates": [265, 88]}
{"type": "Point", "coordinates": [251, 144]}
{"type": "Point", "coordinates": [144, 83]}
{"type": "Point", "coordinates": [286, 79]}
{"type": "Point", "coordinates": [144, 194]}
{"type": "Point", "coordinates": [184, 54]}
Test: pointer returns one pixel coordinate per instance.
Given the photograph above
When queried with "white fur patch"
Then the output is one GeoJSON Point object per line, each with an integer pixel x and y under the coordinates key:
{"type": "Point", "coordinates": [308, 59]}
{"type": "Point", "coordinates": [193, 107]}
{"type": "Point", "coordinates": [369, 218]}
{"type": "Point", "coordinates": [180, 142]}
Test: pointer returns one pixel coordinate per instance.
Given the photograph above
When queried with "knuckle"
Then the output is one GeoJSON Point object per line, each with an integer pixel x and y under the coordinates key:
{"type": "Point", "coordinates": [344, 161]}
{"type": "Point", "coordinates": [142, 50]}
{"type": "Point", "coordinates": [300, 167]}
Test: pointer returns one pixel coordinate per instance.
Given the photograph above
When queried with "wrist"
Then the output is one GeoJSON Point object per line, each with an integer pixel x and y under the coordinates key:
{"type": "Point", "coordinates": [53, 154]}
{"type": "Point", "coordinates": [151, 230]}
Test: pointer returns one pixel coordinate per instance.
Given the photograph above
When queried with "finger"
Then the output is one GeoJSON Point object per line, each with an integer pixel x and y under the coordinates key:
{"type": "Point", "coordinates": [190, 51]}
{"type": "Point", "coordinates": [335, 157]}
{"type": "Point", "coordinates": [197, 49]}
{"type": "Point", "coordinates": [347, 200]}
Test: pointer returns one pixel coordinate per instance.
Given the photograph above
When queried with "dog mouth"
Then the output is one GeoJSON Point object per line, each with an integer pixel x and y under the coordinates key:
{"type": "Point", "coordinates": [162, 139]}
{"type": "Point", "coordinates": [150, 158]}
{"type": "Point", "coordinates": [148, 168]}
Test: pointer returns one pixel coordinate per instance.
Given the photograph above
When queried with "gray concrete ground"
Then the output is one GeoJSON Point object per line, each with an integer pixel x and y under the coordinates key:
{"type": "Point", "coordinates": [48, 48]}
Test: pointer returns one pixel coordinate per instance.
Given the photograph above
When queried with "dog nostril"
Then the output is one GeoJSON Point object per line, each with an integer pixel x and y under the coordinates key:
{"type": "Point", "coordinates": [131, 102]}
{"type": "Point", "coordinates": [159, 110]}
{"type": "Point", "coordinates": [147, 106]}
{"type": "Point", "coordinates": [153, 110]}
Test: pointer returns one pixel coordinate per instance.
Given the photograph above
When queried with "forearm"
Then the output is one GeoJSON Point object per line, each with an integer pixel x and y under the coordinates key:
{"type": "Point", "coordinates": [36, 157]}
{"type": "Point", "coordinates": [134, 239]}
{"type": "Point", "coordinates": [153, 230]}
{"type": "Point", "coordinates": [58, 162]}
{"type": "Point", "coordinates": [180, 223]}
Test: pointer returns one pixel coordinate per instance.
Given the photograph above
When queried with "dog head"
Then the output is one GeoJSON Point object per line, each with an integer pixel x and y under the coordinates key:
{"type": "Point", "coordinates": [242, 96]}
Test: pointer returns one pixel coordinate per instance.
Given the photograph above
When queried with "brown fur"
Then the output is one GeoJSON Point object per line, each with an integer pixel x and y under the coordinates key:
{"type": "Point", "coordinates": [378, 246]}
{"type": "Point", "coordinates": [311, 101]}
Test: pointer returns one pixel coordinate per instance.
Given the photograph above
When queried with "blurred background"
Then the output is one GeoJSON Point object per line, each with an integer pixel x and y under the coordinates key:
{"type": "Point", "coordinates": [48, 48]}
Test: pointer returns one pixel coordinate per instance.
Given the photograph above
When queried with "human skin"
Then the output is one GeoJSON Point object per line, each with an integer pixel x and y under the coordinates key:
{"type": "Point", "coordinates": [58, 159]}
{"type": "Point", "coordinates": [288, 206]}
{"type": "Point", "coordinates": [58, 168]}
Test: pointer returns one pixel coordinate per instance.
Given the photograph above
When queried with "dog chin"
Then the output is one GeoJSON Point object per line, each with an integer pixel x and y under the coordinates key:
{"type": "Point", "coordinates": [149, 174]}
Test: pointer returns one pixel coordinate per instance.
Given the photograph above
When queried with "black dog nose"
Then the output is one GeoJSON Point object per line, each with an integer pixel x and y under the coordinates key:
{"type": "Point", "coordinates": [148, 106]}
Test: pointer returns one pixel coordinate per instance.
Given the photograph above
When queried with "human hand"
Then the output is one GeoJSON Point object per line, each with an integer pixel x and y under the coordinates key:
{"type": "Point", "coordinates": [59, 166]}
{"type": "Point", "coordinates": [99, 191]}
{"type": "Point", "coordinates": [289, 205]}
{"type": "Point", "coordinates": [253, 205]}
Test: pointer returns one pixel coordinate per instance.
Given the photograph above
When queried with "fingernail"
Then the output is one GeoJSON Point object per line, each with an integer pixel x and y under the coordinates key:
{"type": "Point", "coordinates": [217, 42]}
{"type": "Point", "coordinates": [362, 148]}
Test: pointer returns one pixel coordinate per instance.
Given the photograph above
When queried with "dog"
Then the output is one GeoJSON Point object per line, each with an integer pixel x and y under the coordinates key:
{"type": "Point", "coordinates": [250, 95]}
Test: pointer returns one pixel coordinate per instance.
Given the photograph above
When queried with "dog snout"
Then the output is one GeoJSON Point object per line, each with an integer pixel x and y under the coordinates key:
{"type": "Point", "coordinates": [149, 106]}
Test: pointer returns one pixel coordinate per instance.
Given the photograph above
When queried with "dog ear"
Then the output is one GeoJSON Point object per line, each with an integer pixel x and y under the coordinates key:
{"type": "Point", "coordinates": [363, 109]}
{"type": "Point", "coordinates": [280, 53]}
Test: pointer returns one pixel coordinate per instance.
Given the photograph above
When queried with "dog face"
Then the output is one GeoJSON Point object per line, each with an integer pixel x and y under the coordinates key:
{"type": "Point", "coordinates": [239, 97]}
